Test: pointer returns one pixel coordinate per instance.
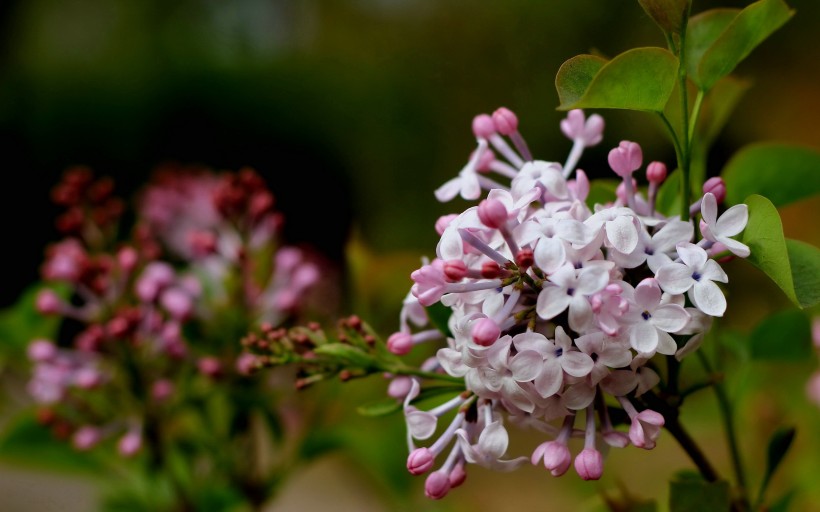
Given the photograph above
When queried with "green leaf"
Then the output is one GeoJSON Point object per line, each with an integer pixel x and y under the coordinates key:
{"type": "Point", "coordinates": [668, 14]}
{"type": "Point", "coordinates": [347, 354]}
{"type": "Point", "coordinates": [718, 40]}
{"type": "Point", "coordinates": [381, 407]}
{"type": "Point", "coordinates": [783, 503]}
{"type": "Point", "coordinates": [668, 200]}
{"type": "Point", "coordinates": [779, 445]}
{"type": "Point", "coordinates": [784, 173]}
{"type": "Point", "coordinates": [639, 79]}
{"type": "Point", "coordinates": [764, 236]}
{"type": "Point", "coordinates": [804, 260]}
{"type": "Point", "coordinates": [784, 336]}
{"type": "Point", "coordinates": [602, 191]}
{"type": "Point", "coordinates": [439, 316]}
{"type": "Point", "coordinates": [696, 495]}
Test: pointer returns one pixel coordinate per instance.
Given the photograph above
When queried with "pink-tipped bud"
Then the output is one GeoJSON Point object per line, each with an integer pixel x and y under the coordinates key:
{"type": "Point", "coordinates": [444, 221]}
{"type": "Point", "coordinates": [506, 122]}
{"type": "Point", "coordinates": [127, 258]}
{"type": "Point", "coordinates": [616, 439]}
{"type": "Point", "coordinates": [399, 387]}
{"type": "Point", "coordinates": [622, 193]}
{"type": "Point", "coordinates": [130, 444]}
{"type": "Point", "coordinates": [645, 429]}
{"type": "Point", "coordinates": [626, 158]}
{"type": "Point", "coordinates": [483, 126]}
{"type": "Point", "coordinates": [87, 378]}
{"type": "Point", "coordinates": [457, 475]}
{"type": "Point", "coordinates": [485, 332]}
{"type": "Point", "coordinates": [246, 363]}
{"type": "Point", "coordinates": [177, 302]}
{"type": "Point", "coordinates": [525, 258]}
{"type": "Point", "coordinates": [162, 390]}
{"type": "Point", "coordinates": [49, 303]}
{"type": "Point", "coordinates": [41, 350]}
{"type": "Point", "coordinates": [717, 187]}
{"type": "Point", "coordinates": [556, 456]}
{"type": "Point", "coordinates": [577, 128]}
{"type": "Point", "coordinates": [589, 464]}
{"type": "Point", "coordinates": [156, 276]}
{"type": "Point", "coordinates": [455, 270]}
{"type": "Point", "coordinates": [420, 461]}
{"type": "Point", "coordinates": [437, 485]}
{"type": "Point", "coordinates": [490, 270]}
{"type": "Point", "coordinates": [209, 366]}
{"type": "Point", "coordinates": [492, 213]}
{"type": "Point", "coordinates": [656, 172]}
{"type": "Point", "coordinates": [400, 343]}
{"type": "Point", "coordinates": [86, 437]}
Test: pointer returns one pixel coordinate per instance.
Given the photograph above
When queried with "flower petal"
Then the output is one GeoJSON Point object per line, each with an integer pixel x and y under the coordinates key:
{"type": "Point", "coordinates": [552, 301]}
{"type": "Point", "coordinates": [578, 396]}
{"type": "Point", "coordinates": [647, 294]}
{"type": "Point", "coordinates": [493, 440]}
{"type": "Point", "coordinates": [713, 272]}
{"type": "Point", "coordinates": [670, 318]}
{"type": "Point", "coordinates": [733, 220]}
{"type": "Point", "coordinates": [708, 208]}
{"type": "Point", "coordinates": [550, 254]}
{"type": "Point", "coordinates": [421, 425]}
{"type": "Point", "coordinates": [576, 364]}
{"type": "Point", "coordinates": [644, 337]}
{"type": "Point", "coordinates": [692, 255]}
{"type": "Point", "coordinates": [549, 381]}
{"type": "Point", "coordinates": [666, 344]}
{"type": "Point", "coordinates": [675, 278]}
{"type": "Point", "coordinates": [708, 298]}
{"type": "Point", "coordinates": [525, 366]}
{"type": "Point", "coordinates": [591, 280]}
{"type": "Point", "coordinates": [622, 234]}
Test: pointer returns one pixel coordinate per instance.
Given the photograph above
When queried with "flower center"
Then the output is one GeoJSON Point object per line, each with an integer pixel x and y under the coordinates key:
{"type": "Point", "coordinates": [646, 315]}
{"type": "Point", "coordinates": [696, 276]}
{"type": "Point", "coordinates": [559, 352]}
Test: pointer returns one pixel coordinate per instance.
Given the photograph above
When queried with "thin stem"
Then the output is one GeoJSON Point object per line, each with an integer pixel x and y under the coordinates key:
{"type": "Point", "coordinates": [725, 408]}
{"type": "Point", "coordinates": [692, 449]}
{"type": "Point", "coordinates": [693, 121]}
{"type": "Point", "coordinates": [674, 136]}
{"type": "Point", "coordinates": [686, 150]}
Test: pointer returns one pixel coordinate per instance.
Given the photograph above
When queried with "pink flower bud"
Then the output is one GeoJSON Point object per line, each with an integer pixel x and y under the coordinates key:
{"type": "Point", "coordinates": [656, 172]}
{"type": "Point", "coordinates": [626, 158]}
{"type": "Point", "coordinates": [177, 303]}
{"type": "Point", "coordinates": [556, 457]}
{"type": "Point", "coordinates": [484, 161]}
{"type": "Point", "coordinates": [455, 270]}
{"type": "Point", "coordinates": [485, 332]}
{"type": "Point", "coordinates": [815, 331]}
{"type": "Point", "coordinates": [577, 128]}
{"type": "Point", "coordinates": [86, 437]}
{"type": "Point", "coordinates": [645, 429]}
{"type": "Point", "coordinates": [130, 444]}
{"type": "Point", "coordinates": [813, 388]}
{"type": "Point", "coordinates": [525, 258]}
{"type": "Point", "coordinates": [437, 485]}
{"type": "Point", "coordinates": [457, 476]}
{"type": "Point", "coordinates": [400, 343]}
{"type": "Point", "coordinates": [492, 213]}
{"type": "Point", "coordinates": [87, 378]}
{"type": "Point", "coordinates": [49, 303]}
{"type": "Point", "coordinates": [209, 366]}
{"type": "Point", "coordinates": [616, 439]}
{"type": "Point", "coordinates": [155, 277]}
{"type": "Point", "coordinates": [246, 363]}
{"type": "Point", "coordinates": [127, 258]}
{"type": "Point", "coordinates": [506, 122]}
{"type": "Point", "coordinates": [490, 270]}
{"type": "Point", "coordinates": [589, 464]}
{"type": "Point", "coordinates": [483, 126]}
{"type": "Point", "coordinates": [420, 461]}
{"type": "Point", "coordinates": [162, 389]}
{"type": "Point", "coordinates": [399, 387]}
{"type": "Point", "coordinates": [717, 187]}
{"type": "Point", "coordinates": [444, 221]}
{"type": "Point", "coordinates": [622, 193]}
{"type": "Point", "coordinates": [41, 350]}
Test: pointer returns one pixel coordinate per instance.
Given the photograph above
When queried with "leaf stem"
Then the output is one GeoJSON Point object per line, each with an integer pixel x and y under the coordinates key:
{"type": "Point", "coordinates": [695, 114]}
{"type": "Point", "coordinates": [726, 413]}
{"type": "Point", "coordinates": [686, 149]}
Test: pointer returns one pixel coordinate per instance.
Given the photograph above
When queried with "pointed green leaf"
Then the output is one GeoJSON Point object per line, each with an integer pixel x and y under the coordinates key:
{"type": "Point", "coordinates": [804, 260]}
{"type": "Point", "coordinates": [347, 354]}
{"type": "Point", "coordinates": [639, 79]}
{"type": "Point", "coordinates": [668, 14]}
{"type": "Point", "coordinates": [794, 266]}
{"type": "Point", "coordinates": [717, 43]}
{"type": "Point", "coordinates": [783, 336]}
{"type": "Point", "coordinates": [381, 407]}
{"type": "Point", "coordinates": [697, 495]}
{"type": "Point", "coordinates": [779, 445]}
{"type": "Point", "coordinates": [785, 173]}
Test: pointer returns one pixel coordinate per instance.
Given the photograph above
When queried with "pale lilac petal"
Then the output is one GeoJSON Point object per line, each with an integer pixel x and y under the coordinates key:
{"type": "Point", "coordinates": [450, 360]}
{"type": "Point", "coordinates": [421, 425]}
{"type": "Point", "coordinates": [562, 339]}
{"type": "Point", "coordinates": [647, 379]}
{"type": "Point", "coordinates": [576, 364]}
{"type": "Point", "coordinates": [549, 381]}
{"type": "Point", "coordinates": [670, 318]}
{"type": "Point", "coordinates": [499, 353]}
{"type": "Point", "coordinates": [580, 313]}
{"type": "Point", "coordinates": [494, 440]}
{"type": "Point", "coordinates": [733, 220]}
{"type": "Point", "coordinates": [525, 366]}
{"type": "Point", "coordinates": [657, 260]}
{"type": "Point", "coordinates": [515, 395]}
{"type": "Point", "coordinates": [527, 232]}
{"type": "Point", "coordinates": [590, 343]}
{"type": "Point", "coordinates": [552, 301]}
{"type": "Point", "coordinates": [599, 372]}
{"type": "Point", "coordinates": [550, 254]}
{"type": "Point", "coordinates": [622, 234]}
{"type": "Point", "coordinates": [449, 190]}
{"type": "Point", "coordinates": [491, 379]}
{"type": "Point", "coordinates": [470, 188]}
{"type": "Point", "coordinates": [673, 233]}
{"type": "Point", "coordinates": [735, 247]}
{"type": "Point", "coordinates": [647, 294]}
{"type": "Point", "coordinates": [692, 255]}
{"type": "Point", "coordinates": [675, 278]}
{"type": "Point", "coordinates": [615, 356]}
{"type": "Point", "coordinates": [713, 272]}
{"type": "Point", "coordinates": [708, 208]}
{"type": "Point", "coordinates": [532, 341]}
{"type": "Point", "coordinates": [708, 298]}
{"type": "Point", "coordinates": [578, 396]}
{"type": "Point", "coordinates": [575, 231]}
{"type": "Point", "coordinates": [644, 337]}
{"type": "Point", "coordinates": [620, 382]}
{"type": "Point", "coordinates": [691, 345]}
{"type": "Point", "coordinates": [450, 247]}
{"type": "Point", "coordinates": [592, 280]}
{"type": "Point", "coordinates": [564, 276]}
{"type": "Point", "coordinates": [666, 344]}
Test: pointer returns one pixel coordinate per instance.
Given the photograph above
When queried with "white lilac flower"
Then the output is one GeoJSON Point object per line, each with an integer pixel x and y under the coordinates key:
{"type": "Point", "coordinates": [654, 321]}
{"type": "Point", "coordinates": [696, 275]}
{"type": "Point", "coordinates": [719, 229]}
{"type": "Point", "coordinates": [569, 288]}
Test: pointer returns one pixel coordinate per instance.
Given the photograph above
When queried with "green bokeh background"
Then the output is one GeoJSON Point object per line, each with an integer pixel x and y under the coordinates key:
{"type": "Point", "coordinates": [356, 111]}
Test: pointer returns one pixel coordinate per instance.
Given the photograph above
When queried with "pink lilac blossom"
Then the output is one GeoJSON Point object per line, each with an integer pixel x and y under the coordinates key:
{"type": "Point", "coordinates": [555, 304]}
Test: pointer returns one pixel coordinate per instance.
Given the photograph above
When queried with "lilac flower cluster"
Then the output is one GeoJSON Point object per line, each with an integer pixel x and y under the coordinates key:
{"type": "Point", "coordinates": [204, 254]}
{"type": "Point", "coordinates": [556, 308]}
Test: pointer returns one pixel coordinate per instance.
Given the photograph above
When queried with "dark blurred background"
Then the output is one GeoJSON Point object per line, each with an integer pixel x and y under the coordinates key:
{"type": "Point", "coordinates": [353, 109]}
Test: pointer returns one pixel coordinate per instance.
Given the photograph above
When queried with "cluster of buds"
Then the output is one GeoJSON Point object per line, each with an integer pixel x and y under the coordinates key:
{"type": "Point", "coordinates": [205, 247]}
{"type": "Point", "coordinates": [556, 307]}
